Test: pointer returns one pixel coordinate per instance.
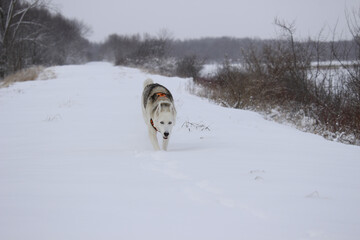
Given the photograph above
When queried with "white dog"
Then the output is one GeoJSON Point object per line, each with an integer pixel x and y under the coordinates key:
{"type": "Point", "coordinates": [158, 111]}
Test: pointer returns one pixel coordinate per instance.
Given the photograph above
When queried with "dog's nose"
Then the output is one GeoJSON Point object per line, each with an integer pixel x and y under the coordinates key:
{"type": "Point", "coordinates": [166, 134]}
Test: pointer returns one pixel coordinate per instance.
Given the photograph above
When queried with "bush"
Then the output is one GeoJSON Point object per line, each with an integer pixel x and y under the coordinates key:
{"type": "Point", "coordinates": [189, 66]}
{"type": "Point", "coordinates": [280, 76]}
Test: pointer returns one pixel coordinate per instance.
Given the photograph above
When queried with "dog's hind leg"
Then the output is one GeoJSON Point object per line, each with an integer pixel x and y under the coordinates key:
{"type": "Point", "coordinates": [153, 139]}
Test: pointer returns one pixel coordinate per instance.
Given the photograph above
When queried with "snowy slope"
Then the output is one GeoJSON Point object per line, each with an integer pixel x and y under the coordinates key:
{"type": "Point", "coordinates": [76, 163]}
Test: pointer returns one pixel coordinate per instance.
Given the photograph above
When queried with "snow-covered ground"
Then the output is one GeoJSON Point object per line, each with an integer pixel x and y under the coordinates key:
{"type": "Point", "coordinates": [76, 163]}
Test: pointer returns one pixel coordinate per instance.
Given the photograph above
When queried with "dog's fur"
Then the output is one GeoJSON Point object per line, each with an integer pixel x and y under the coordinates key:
{"type": "Point", "coordinates": [158, 111]}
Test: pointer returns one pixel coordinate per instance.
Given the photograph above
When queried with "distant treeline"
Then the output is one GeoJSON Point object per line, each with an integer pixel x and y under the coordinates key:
{"type": "Point", "coordinates": [32, 34]}
{"type": "Point", "coordinates": [216, 49]}
{"type": "Point", "coordinates": [136, 48]}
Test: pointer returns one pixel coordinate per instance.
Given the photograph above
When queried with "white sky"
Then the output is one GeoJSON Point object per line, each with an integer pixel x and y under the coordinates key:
{"type": "Point", "coordinates": [207, 18]}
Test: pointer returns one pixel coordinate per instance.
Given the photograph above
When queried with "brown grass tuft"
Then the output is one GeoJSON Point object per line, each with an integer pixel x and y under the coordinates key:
{"type": "Point", "coordinates": [28, 74]}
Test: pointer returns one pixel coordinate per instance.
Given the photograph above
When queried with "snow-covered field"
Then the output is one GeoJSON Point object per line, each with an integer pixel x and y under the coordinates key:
{"type": "Point", "coordinates": [76, 163]}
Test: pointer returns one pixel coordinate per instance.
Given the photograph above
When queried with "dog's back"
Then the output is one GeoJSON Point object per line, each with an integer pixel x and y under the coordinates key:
{"type": "Point", "coordinates": [154, 91]}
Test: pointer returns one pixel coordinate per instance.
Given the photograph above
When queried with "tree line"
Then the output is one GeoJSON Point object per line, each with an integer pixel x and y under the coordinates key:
{"type": "Point", "coordinates": [30, 34]}
{"type": "Point", "coordinates": [213, 50]}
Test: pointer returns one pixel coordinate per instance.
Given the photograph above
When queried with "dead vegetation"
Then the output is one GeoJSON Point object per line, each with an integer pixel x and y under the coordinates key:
{"type": "Point", "coordinates": [282, 81]}
{"type": "Point", "coordinates": [28, 74]}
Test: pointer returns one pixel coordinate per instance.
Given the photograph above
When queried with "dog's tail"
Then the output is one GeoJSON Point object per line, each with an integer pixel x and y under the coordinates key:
{"type": "Point", "coordinates": [148, 82]}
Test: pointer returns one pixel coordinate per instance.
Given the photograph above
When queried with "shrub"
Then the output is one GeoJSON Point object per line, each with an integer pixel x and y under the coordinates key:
{"type": "Point", "coordinates": [280, 76]}
{"type": "Point", "coordinates": [189, 66]}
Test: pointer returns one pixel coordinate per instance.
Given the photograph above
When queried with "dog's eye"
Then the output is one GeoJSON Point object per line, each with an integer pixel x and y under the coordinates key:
{"type": "Point", "coordinates": [161, 122]}
{"type": "Point", "coordinates": [170, 122]}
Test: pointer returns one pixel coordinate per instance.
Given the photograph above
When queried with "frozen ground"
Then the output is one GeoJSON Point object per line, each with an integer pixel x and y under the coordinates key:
{"type": "Point", "coordinates": [76, 163]}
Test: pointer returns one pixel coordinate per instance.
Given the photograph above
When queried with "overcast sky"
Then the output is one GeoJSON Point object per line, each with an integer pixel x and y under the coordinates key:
{"type": "Point", "coordinates": [206, 18]}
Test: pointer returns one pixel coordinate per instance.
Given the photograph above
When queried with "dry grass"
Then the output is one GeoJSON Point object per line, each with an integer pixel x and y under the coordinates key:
{"type": "Point", "coordinates": [28, 74]}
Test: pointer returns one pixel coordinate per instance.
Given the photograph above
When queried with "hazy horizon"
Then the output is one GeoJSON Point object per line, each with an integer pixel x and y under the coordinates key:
{"type": "Point", "coordinates": [196, 19]}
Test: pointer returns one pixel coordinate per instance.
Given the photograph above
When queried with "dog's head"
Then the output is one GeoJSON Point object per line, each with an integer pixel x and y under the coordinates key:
{"type": "Point", "coordinates": [164, 119]}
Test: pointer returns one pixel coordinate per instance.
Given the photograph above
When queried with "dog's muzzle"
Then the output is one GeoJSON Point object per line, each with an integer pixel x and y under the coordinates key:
{"type": "Point", "coordinates": [166, 135]}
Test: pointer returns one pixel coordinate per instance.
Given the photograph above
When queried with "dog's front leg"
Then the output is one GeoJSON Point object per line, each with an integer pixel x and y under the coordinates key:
{"type": "Point", "coordinates": [165, 144]}
{"type": "Point", "coordinates": [153, 139]}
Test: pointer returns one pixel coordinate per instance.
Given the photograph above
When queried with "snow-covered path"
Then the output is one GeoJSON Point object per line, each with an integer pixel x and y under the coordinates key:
{"type": "Point", "coordinates": [76, 163]}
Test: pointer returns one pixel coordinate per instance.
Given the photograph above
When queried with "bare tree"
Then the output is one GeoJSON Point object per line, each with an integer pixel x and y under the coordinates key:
{"type": "Point", "coordinates": [31, 34]}
{"type": "Point", "coordinates": [12, 22]}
